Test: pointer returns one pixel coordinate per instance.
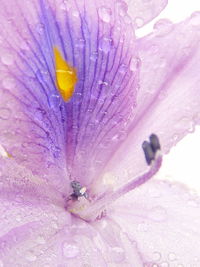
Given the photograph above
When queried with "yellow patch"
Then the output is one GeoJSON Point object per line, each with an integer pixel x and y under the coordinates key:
{"type": "Point", "coordinates": [66, 76]}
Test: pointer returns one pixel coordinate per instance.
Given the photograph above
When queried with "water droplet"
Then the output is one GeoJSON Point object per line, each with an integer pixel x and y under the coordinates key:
{"type": "Point", "coordinates": [158, 214]}
{"type": "Point", "coordinates": [39, 114]}
{"type": "Point", "coordinates": [40, 240]}
{"type": "Point", "coordinates": [122, 8]}
{"type": "Point", "coordinates": [105, 14]}
{"type": "Point", "coordinates": [70, 250]}
{"type": "Point", "coordinates": [102, 83]}
{"type": "Point", "coordinates": [40, 28]}
{"type": "Point", "coordinates": [80, 43]}
{"type": "Point", "coordinates": [94, 56]}
{"type": "Point", "coordinates": [163, 27]}
{"type": "Point", "coordinates": [105, 44]}
{"type": "Point", "coordinates": [8, 83]}
{"type": "Point", "coordinates": [18, 218]}
{"type": "Point", "coordinates": [139, 22]}
{"type": "Point", "coordinates": [142, 227]}
{"type": "Point", "coordinates": [7, 58]}
{"type": "Point", "coordinates": [5, 113]}
{"type": "Point", "coordinates": [172, 257]}
{"type": "Point", "coordinates": [54, 101]}
{"type": "Point", "coordinates": [56, 152]}
{"type": "Point", "coordinates": [135, 64]}
{"type": "Point", "coordinates": [123, 69]}
{"type": "Point", "coordinates": [195, 18]}
{"type": "Point", "coordinates": [164, 264]}
{"type": "Point", "coordinates": [118, 254]}
{"type": "Point", "coordinates": [75, 14]}
{"type": "Point", "coordinates": [156, 256]}
{"type": "Point", "coordinates": [127, 19]}
{"type": "Point", "coordinates": [65, 5]}
{"type": "Point", "coordinates": [30, 256]}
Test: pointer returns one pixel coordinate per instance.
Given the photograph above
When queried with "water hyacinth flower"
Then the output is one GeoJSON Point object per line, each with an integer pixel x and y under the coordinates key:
{"type": "Point", "coordinates": [79, 96]}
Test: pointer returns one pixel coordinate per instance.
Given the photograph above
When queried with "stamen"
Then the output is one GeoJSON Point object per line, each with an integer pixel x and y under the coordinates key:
{"type": "Point", "coordinates": [78, 190]}
{"type": "Point", "coordinates": [66, 77]}
{"type": "Point", "coordinates": [151, 148]}
{"type": "Point", "coordinates": [148, 152]}
{"type": "Point", "coordinates": [4, 153]}
{"type": "Point", "coordinates": [90, 210]}
{"type": "Point", "coordinates": [154, 141]}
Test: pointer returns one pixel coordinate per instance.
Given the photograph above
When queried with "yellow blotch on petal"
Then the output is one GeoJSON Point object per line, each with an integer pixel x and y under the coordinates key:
{"type": "Point", "coordinates": [66, 76]}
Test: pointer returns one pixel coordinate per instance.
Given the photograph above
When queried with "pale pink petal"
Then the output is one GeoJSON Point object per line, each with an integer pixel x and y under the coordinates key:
{"type": "Point", "coordinates": [169, 95]}
{"type": "Point", "coordinates": [143, 11]}
{"type": "Point", "coordinates": [163, 219]}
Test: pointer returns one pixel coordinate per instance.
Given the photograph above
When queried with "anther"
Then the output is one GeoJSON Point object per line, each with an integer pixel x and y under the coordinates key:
{"type": "Point", "coordinates": [150, 148]}
{"type": "Point", "coordinates": [154, 141]}
{"type": "Point", "coordinates": [78, 190]}
{"type": "Point", "coordinates": [148, 152]}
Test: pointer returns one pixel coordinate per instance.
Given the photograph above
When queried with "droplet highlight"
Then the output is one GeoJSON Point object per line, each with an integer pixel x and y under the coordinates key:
{"type": "Point", "coordinates": [105, 14]}
{"type": "Point", "coordinates": [70, 250]}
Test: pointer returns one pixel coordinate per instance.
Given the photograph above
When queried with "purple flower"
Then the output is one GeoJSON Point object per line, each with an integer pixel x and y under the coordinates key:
{"type": "Point", "coordinates": [79, 96]}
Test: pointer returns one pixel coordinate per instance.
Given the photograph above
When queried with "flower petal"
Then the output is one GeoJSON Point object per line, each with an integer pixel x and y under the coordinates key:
{"type": "Point", "coordinates": [30, 131]}
{"type": "Point", "coordinates": [95, 40]}
{"type": "Point", "coordinates": [36, 230]}
{"type": "Point", "coordinates": [144, 11]}
{"type": "Point", "coordinates": [169, 96]}
{"type": "Point", "coordinates": [163, 220]}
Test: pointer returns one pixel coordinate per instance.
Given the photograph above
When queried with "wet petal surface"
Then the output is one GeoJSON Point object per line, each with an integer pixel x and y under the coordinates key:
{"type": "Point", "coordinates": [143, 11]}
{"type": "Point", "coordinates": [39, 127]}
{"type": "Point", "coordinates": [168, 99]}
{"type": "Point", "coordinates": [163, 220]}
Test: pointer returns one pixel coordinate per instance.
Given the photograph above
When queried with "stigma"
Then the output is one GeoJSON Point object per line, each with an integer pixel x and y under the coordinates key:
{"type": "Point", "coordinates": [66, 76]}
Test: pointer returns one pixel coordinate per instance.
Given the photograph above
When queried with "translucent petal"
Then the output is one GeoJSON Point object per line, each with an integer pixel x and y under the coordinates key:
{"type": "Point", "coordinates": [163, 220]}
{"type": "Point", "coordinates": [143, 11]}
{"type": "Point", "coordinates": [36, 230]}
{"type": "Point", "coordinates": [168, 99]}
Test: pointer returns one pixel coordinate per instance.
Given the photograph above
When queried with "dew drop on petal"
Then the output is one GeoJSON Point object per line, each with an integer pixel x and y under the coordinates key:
{"type": "Point", "coordinates": [122, 8]}
{"type": "Point", "coordinates": [40, 240]}
{"type": "Point", "coordinates": [8, 83]}
{"type": "Point", "coordinates": [117, 254]}
{"type": "Point", "coordinates": [127, 19]}
{"type": "Point", "coordinates": [105, 44]}
{"type": "Point", "coordinates": [157, 214]}
{"type": "Point", "coordinates": [139, 22]}
{"type": "Point", "coordinates": [172, 256]}
{"type": "Point", "coordinates": [156, 256]}
{"type": "Point", "coordinates": [135, 63]}
{"type": "Point", "coordinates": [105, 14]}
{"type": "Point", "coordinates": [31, 257]}
{"type": "Point", "coordinates": [163, 27]}
{"type": "Point", "coordinates": [40, 28]}
{"type": "Point", "coordinates": [65, 5]}
{"type": "Point", "coordinates": [7, 59]}
{"type": "Point", "coordinates": [164, 264]}
{"type": "Point", "coordinates": [195, 18]}
{"type": "Point", "coordinates": [5, 113]}
{"type": "Point", "coordinates": [54, 101]}
{"type": "Point", "coordinates": [70, 250]}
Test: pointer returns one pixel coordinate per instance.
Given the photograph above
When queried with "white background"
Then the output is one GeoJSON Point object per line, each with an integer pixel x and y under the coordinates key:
{"type": "Point", "coordinates": [183, 162]}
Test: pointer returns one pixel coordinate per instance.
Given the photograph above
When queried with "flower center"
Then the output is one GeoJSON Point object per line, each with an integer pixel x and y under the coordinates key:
{"type": "Point", "coordinates": [81, 205]}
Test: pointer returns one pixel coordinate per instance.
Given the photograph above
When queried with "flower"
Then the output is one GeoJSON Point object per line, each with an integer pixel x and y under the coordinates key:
{"type": "Point", "coordinates": [79, 95]}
